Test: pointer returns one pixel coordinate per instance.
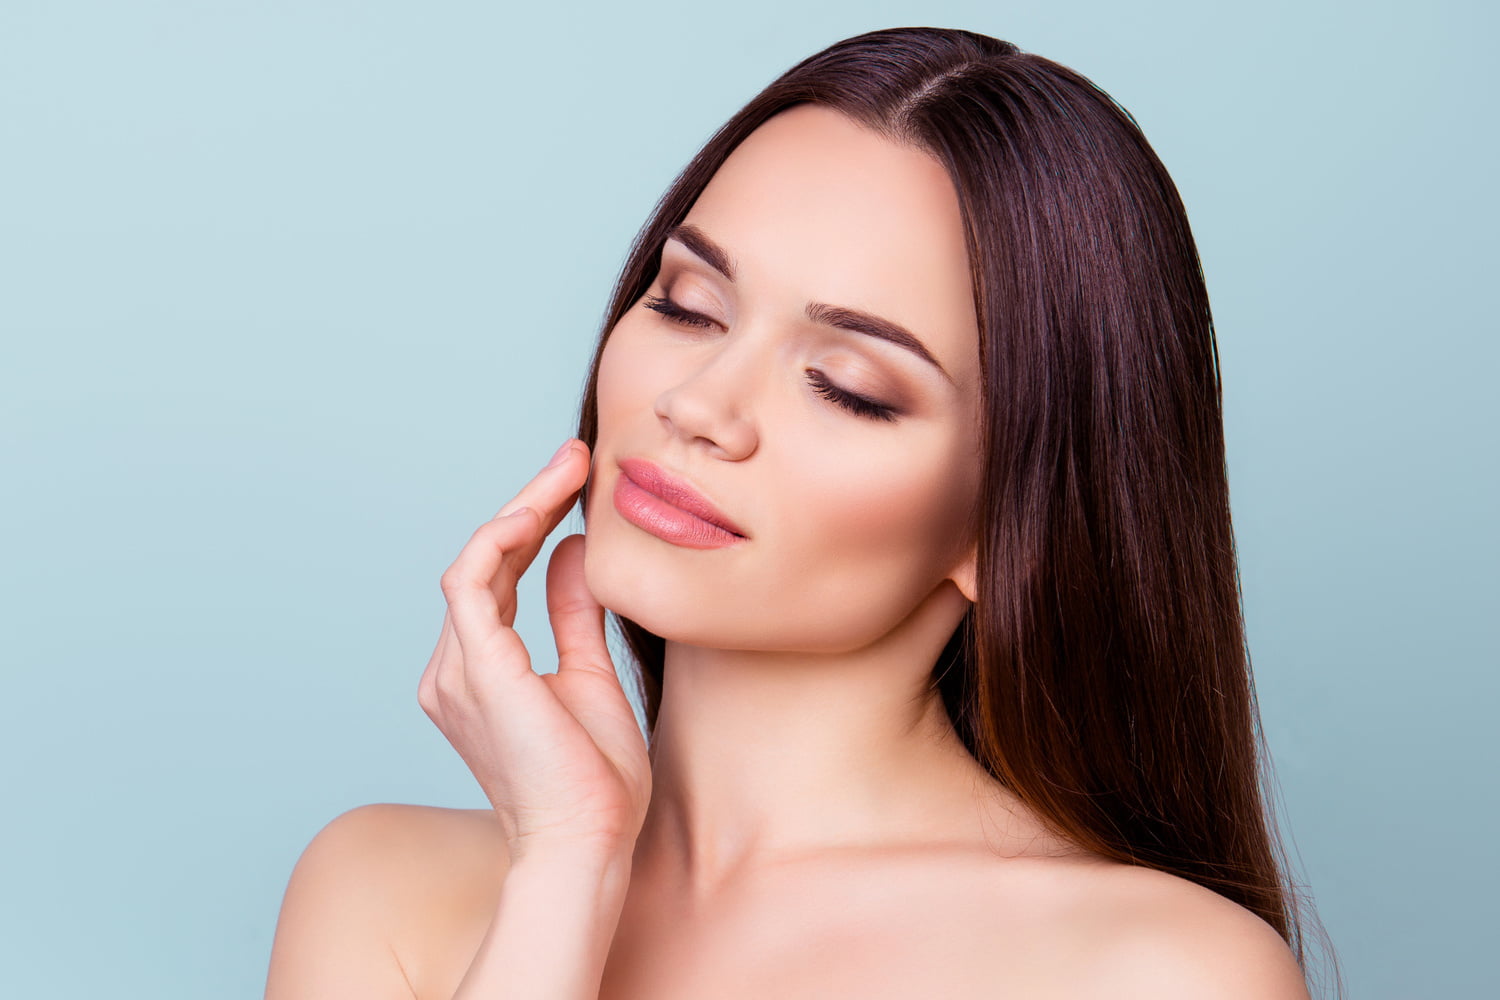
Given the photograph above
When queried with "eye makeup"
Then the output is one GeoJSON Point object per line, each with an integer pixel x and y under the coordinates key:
{"type": "Point", "coordinates": [850, 401]}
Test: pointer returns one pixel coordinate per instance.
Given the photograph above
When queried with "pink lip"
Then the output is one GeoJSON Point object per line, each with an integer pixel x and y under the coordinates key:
{"type": "Point", "coordinates": [669, 508]}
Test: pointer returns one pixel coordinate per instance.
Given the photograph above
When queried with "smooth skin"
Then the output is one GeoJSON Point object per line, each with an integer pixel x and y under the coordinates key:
{"type": "Point", "coordinates": [806, 823]}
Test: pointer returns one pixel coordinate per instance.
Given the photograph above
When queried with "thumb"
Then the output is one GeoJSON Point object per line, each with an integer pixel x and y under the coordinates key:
{"type": "Point", "coordinates": [577, 619]}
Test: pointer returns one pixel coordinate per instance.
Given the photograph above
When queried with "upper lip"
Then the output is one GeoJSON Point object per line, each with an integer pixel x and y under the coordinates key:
{"type": "Point", "coordinates": [676, 491]}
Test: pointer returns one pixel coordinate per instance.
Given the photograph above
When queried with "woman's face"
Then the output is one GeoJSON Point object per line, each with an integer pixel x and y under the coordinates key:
{"type": "Point", "coordinates": [853, 513]}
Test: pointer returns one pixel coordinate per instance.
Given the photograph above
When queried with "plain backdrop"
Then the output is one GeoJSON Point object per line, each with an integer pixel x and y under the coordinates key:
{"type": "Point", "coordinates": [295, 294]}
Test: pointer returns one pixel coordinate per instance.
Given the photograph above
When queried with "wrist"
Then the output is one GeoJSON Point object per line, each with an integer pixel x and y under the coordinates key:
{"type": "Point", "coordinates": [604, 859]}
{"type": "Point", "coordinates": [556, 914]}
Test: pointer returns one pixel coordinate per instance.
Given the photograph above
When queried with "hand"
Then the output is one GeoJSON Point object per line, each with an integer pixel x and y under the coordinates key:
{"type": "Point", "coordinates": [560, 756]}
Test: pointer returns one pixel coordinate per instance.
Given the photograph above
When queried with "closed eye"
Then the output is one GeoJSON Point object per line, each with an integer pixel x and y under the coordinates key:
{"type": "Point", "coordinates": [675, 312]}
{"type": "Point", "coordinates": [850, 401]}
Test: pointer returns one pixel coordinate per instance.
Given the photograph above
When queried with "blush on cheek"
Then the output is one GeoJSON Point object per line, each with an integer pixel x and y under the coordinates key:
{"type": "Point", "coordinates": [881, 502]}
{"type": "Point", "coordinates": [865, 549]}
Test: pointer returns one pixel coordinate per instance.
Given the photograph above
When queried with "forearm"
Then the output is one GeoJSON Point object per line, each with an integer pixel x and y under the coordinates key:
{"type": "Point", "coordinates": [554, 921]}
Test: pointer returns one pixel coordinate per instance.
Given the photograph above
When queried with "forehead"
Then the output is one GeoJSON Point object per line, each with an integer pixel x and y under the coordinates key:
{"type": "Point", "coordinates": [812, 207]}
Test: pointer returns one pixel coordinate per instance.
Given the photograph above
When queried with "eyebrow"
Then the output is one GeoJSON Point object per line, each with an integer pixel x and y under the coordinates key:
{"type": "Point", "coordinates": [839, 317]}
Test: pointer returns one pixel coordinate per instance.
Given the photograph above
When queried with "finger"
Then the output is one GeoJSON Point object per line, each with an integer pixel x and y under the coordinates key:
{"type": "Point", "coordinates": [466, 684]}
{"type": "Point", "coordinates": [529, 495]}
{"type": "Point", "coordinates": [526, 553]}
{"type": "Point", "coordinates": [551, 493]}
{"type": "Point", "coordinates": [577, 618]}
{"type": "Point", "coordinates": [442, 643]}
{"type": "Point", "coordinates": [487, 681]}
{"type": "Point", "coordinates": [427, 685]}
{"type": "Point", "coordinates": [446, 661]}
{"type": "Point", "coordinates": [449, 679]}
{"type": "Point", "coordinates": [503, 584]}
{"type": "Point", "coordinates": [585, 681]}
{"type": "Point", "coordinates": [474, 609]}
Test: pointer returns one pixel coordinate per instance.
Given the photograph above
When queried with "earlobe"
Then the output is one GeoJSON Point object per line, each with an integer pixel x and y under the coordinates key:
{"type": "Point", "coordinates": [965, 574]}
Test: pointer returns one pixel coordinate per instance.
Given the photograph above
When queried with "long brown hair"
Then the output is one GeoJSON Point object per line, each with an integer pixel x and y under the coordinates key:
{"type": "Point", "coordinates": [1102, 672]}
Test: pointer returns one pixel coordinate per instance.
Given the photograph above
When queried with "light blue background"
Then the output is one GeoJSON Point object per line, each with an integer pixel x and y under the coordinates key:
{"type": "Point", "coordinates": [294, 295]}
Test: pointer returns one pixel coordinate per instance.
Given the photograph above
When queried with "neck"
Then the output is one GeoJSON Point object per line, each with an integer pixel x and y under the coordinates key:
{"type": "Point", "coordinates": [759, 756]}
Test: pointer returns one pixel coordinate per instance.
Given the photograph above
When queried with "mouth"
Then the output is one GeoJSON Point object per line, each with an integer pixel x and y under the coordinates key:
{"type": "Point", "coordinates": [670, 508]}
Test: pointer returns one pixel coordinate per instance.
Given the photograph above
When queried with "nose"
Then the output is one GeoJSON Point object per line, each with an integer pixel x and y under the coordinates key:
{"type": "Point", "coordinates": [708, 406]}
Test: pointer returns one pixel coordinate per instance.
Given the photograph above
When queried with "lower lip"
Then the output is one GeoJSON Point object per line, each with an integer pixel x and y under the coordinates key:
{"type": "Point", "coordinates": [673, 524]}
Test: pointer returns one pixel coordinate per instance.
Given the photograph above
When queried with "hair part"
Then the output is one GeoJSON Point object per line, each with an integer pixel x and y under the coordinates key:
{"type": "Point", "coordinates": [1102, 673]}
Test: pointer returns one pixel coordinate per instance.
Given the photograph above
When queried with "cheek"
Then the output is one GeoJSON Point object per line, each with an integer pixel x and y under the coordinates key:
{"type": "Point", "coordinates": [610, 384]}
{"type": "Point", "coordinates": [626, 570]}
{"type": "Point", "coordinates": [896, 505]}
{"type": "Point", "coordinates": [631, 376]}
{"type": "Point", "coordinates": [863, 540]}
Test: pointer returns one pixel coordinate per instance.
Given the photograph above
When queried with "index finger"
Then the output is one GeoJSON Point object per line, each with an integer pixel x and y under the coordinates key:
{"type": "Point", "coordinates": [551, 493]}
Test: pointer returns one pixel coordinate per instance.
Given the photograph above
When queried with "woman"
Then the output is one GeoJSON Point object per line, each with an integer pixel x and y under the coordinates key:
{"type": "Point", "coordinates": [902, 466]}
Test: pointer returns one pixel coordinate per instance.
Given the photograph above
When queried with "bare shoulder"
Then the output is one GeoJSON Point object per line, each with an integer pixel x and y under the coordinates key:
{"type": "Point", "coordinates": [373, 891]}
{"type": "Point", "coordinates": [399, 854]}
{"type": "Point", "coordinates": [1147, 933]}
{"type": "Point", "coordinates": [411, 842]}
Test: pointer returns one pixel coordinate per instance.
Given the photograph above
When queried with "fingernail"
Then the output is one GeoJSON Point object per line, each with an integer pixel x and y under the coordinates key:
{"type": "Point", "coordinates": [562, 453]}
{"type": "Point", "coordinates": [515, 512]}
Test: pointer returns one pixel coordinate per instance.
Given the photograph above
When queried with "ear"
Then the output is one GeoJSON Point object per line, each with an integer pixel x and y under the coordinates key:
{"type": "Point", "coordinates": [965, 574]}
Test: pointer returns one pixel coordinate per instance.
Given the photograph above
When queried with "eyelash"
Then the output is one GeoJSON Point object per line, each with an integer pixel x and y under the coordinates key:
{"type": "Point", "coordinates": [855, 404]}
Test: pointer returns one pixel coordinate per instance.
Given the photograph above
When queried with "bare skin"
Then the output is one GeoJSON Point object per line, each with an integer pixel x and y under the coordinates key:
{"type": "Point", "coordinates": [421, 884]}
{"type": "Point", "coordinates": [806, 822]}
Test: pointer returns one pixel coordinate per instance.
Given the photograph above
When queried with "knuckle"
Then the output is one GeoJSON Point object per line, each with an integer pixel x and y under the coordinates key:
{"type": "Point", "coordinates": [448, 692]}
{"type": "Point", "coordinates": [451, 582]}
{"type": "Point", "coordinates": [490, 529]}
{"type": "Point", "coordinates": [501, 530]}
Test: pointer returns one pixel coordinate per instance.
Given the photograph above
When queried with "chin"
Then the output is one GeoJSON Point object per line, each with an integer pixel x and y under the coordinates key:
{"type": "Point", "coordinates": [616, 576]}
{"type": "Point", "coordinates": [622, 582]}
{"type": "Point", "coordinates": [688, 609]}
